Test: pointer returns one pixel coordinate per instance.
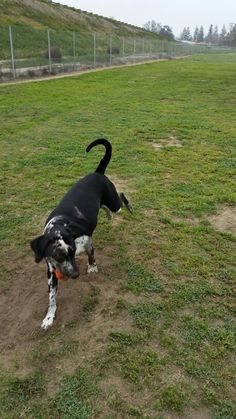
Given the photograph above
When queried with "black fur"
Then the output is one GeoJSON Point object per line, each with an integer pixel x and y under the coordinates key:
{"type": "Point", "coordinates": [105, 160]}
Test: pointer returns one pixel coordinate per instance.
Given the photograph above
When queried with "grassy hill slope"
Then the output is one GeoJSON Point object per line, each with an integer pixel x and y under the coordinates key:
{"type": "Point", "coordinates": [42, 14]}
{"type": "Point", "coordinates": [30, 20]}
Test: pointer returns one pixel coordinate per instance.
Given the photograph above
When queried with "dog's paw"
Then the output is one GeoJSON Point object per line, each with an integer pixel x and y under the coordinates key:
{"type": "Point", "coordinates": [47, 322]}
{"type": "Point", "coordinates": [92, 268]}
{"type": "Point", "coordinates": [125, 202]}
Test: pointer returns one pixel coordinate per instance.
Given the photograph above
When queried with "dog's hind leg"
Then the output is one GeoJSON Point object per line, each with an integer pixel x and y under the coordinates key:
{"type": "Point", "coordinates": [92, 266]}
{"type": "Point", "coordinates": [125, 202]}
{"type": "Point", "coordinates": [52, 294]}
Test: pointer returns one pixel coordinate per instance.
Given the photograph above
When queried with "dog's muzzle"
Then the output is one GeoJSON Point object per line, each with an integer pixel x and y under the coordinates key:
{"type": "Point", "coordinates": [75, 274]}
{"type": "Point", "coordinates": [71, 270]}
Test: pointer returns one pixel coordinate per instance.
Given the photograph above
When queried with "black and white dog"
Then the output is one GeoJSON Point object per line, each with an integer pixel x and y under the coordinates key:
{"type": "Point", "coordinates": [68, 229]}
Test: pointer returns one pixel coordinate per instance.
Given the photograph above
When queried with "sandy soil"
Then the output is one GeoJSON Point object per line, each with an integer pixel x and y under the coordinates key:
{"type": "Point", "coordinates": [225, 220]}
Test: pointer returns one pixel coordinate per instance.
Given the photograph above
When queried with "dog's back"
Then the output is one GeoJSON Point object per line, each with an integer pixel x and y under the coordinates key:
{"type": "Point", "coordinates": [82, 202]}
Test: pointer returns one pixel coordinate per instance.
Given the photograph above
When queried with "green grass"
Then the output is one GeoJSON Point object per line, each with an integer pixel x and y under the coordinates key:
{"type": "Point", "coordinates": [172, 398]}
{"type": "Point", "coordinates": [19, 394]}
{"type": "Point", "coordinates": [72, 398]}
{"type": "Point", "coordinates": [156, 330]}
{"type": "Point", "coordinates": [140, 279]}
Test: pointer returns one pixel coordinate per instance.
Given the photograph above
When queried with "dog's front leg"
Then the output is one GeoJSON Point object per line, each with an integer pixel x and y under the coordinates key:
{"type": "Point", "coordinates": [52, 294]}
{"type": "Point", "coordinates": [92, 266]}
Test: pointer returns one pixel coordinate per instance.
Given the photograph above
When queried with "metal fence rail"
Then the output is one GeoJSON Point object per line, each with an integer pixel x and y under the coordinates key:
{"type": "Point", "coordinates": [27, 52]}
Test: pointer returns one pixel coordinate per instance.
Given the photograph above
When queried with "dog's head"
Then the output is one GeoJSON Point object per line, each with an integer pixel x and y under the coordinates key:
{"type": "Point", "coordinates": [59, 249]}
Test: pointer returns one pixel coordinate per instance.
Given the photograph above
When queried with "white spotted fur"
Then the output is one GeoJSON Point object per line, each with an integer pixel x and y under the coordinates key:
{"type": "Point", "coordinates": [81, 244]}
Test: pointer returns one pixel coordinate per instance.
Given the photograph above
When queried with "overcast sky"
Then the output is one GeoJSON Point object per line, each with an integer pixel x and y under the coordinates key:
{"type": "Point", "coordinates": [176, 13]}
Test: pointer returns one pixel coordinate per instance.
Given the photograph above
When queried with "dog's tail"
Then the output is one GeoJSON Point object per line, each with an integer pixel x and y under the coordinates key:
{"type": "Point", "coordinates": [105, 160]}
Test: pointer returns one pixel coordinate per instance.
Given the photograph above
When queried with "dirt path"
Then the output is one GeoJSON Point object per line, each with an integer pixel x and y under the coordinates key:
{"type": "Point", "coordinates": [81, 72]}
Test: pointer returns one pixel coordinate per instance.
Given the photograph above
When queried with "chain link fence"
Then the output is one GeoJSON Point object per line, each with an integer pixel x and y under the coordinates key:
{"type": "Point", "coordinates": [28, 53]}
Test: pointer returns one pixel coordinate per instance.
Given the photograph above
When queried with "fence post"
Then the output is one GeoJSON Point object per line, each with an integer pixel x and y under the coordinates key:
{"type": "Point", "coordinates": [74, 49]}
{"type": "Point", "coordinates": [110, 49]}
{"type": "Point", "coordinates": [134, 47]}
{"type": "Point", "coordinates": [150, 48]}
{"type": "Point", "coordinates": [143, 46]}
{"type": "Point", "coordinates": [158, 48]}
{"type": "Point", "coordinates": [174, 49]}
{"type": "Point", "coordinates": [166, 48]}
{"type": "Point", "coordinates": [12, 54]}
{"type": "Point", "coordinates": [94, 49]}
{"type": "Point", "coordinates": [49, 52]}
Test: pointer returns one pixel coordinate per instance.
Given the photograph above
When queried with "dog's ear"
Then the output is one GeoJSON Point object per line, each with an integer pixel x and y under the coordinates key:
{"type": "Point", "coordinates": [39, 245]}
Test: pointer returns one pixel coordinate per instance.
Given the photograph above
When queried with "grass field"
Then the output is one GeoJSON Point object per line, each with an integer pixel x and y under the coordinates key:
{"type": "Point", "coordinates": [152, 335]}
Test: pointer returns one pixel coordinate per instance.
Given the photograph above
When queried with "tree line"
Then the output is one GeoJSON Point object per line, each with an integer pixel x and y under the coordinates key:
{"type": "Point", "coordinates": [213, 36]}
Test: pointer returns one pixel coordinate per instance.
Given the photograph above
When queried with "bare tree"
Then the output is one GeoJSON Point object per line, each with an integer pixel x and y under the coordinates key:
{"type": "Point", "coordinates": [152, 26]}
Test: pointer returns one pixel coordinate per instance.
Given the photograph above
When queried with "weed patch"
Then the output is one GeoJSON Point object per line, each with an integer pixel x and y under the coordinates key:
{"type": "Point", "coordinates": [73, 398]}
{"type": "Point", "coordinates": [173, 398]}
{"type": "Point", "coordinates": [19, 393]}
{"type": "Point", "coordinates": [140, 279]}
{"type": "Point", "coordinates": [146, 315]}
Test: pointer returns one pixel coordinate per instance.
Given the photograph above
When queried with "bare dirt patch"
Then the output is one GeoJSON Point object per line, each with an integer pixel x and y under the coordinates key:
{"type": "Point", "coordinates": [172, 141]}
{"type": "Point", "coordinates": [204, 413]}
{"type": "Point", "coordinates": [118, 391]}
{"type": "Point", "coordinates": [190, 220]}
{"type": "Point", "coordinates": [83, 316]}
{"type": "Point", "coordinates": [86, 312]}
{"type": "Point", "coordinates": [224, 220]}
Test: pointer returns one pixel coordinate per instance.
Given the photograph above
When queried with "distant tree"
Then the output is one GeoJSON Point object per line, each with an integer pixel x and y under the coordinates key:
{"type": "Point", "coordinates": [222, 36]}
{"type": "Point", "coordinates": [152, 26]}
{"type": "Point", "coordinates": [190, 38]}
{"type": "Point", "coordinates": [147, 26]}
{"type": "Point", "coordinates": [233, 33]}
{"type": "Point", "coordinates": [155, 27]}
{"type": "Point", "coordinates": [231, 36]}
{"type": "Point", "coordinates": [186, 35]}
{"type": "Point", "coordinates": [183, 35]}
{"type": "Point", "coordinates": [167, 32]}
{"type": "Point", "coordinates": [200, 37]}
{"type": "Point", "coordinates": [195, 35]}
{"type": "Point", "coordinates": [209, 37]}
{"type": "Point", "coordinates": [215, 36]}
